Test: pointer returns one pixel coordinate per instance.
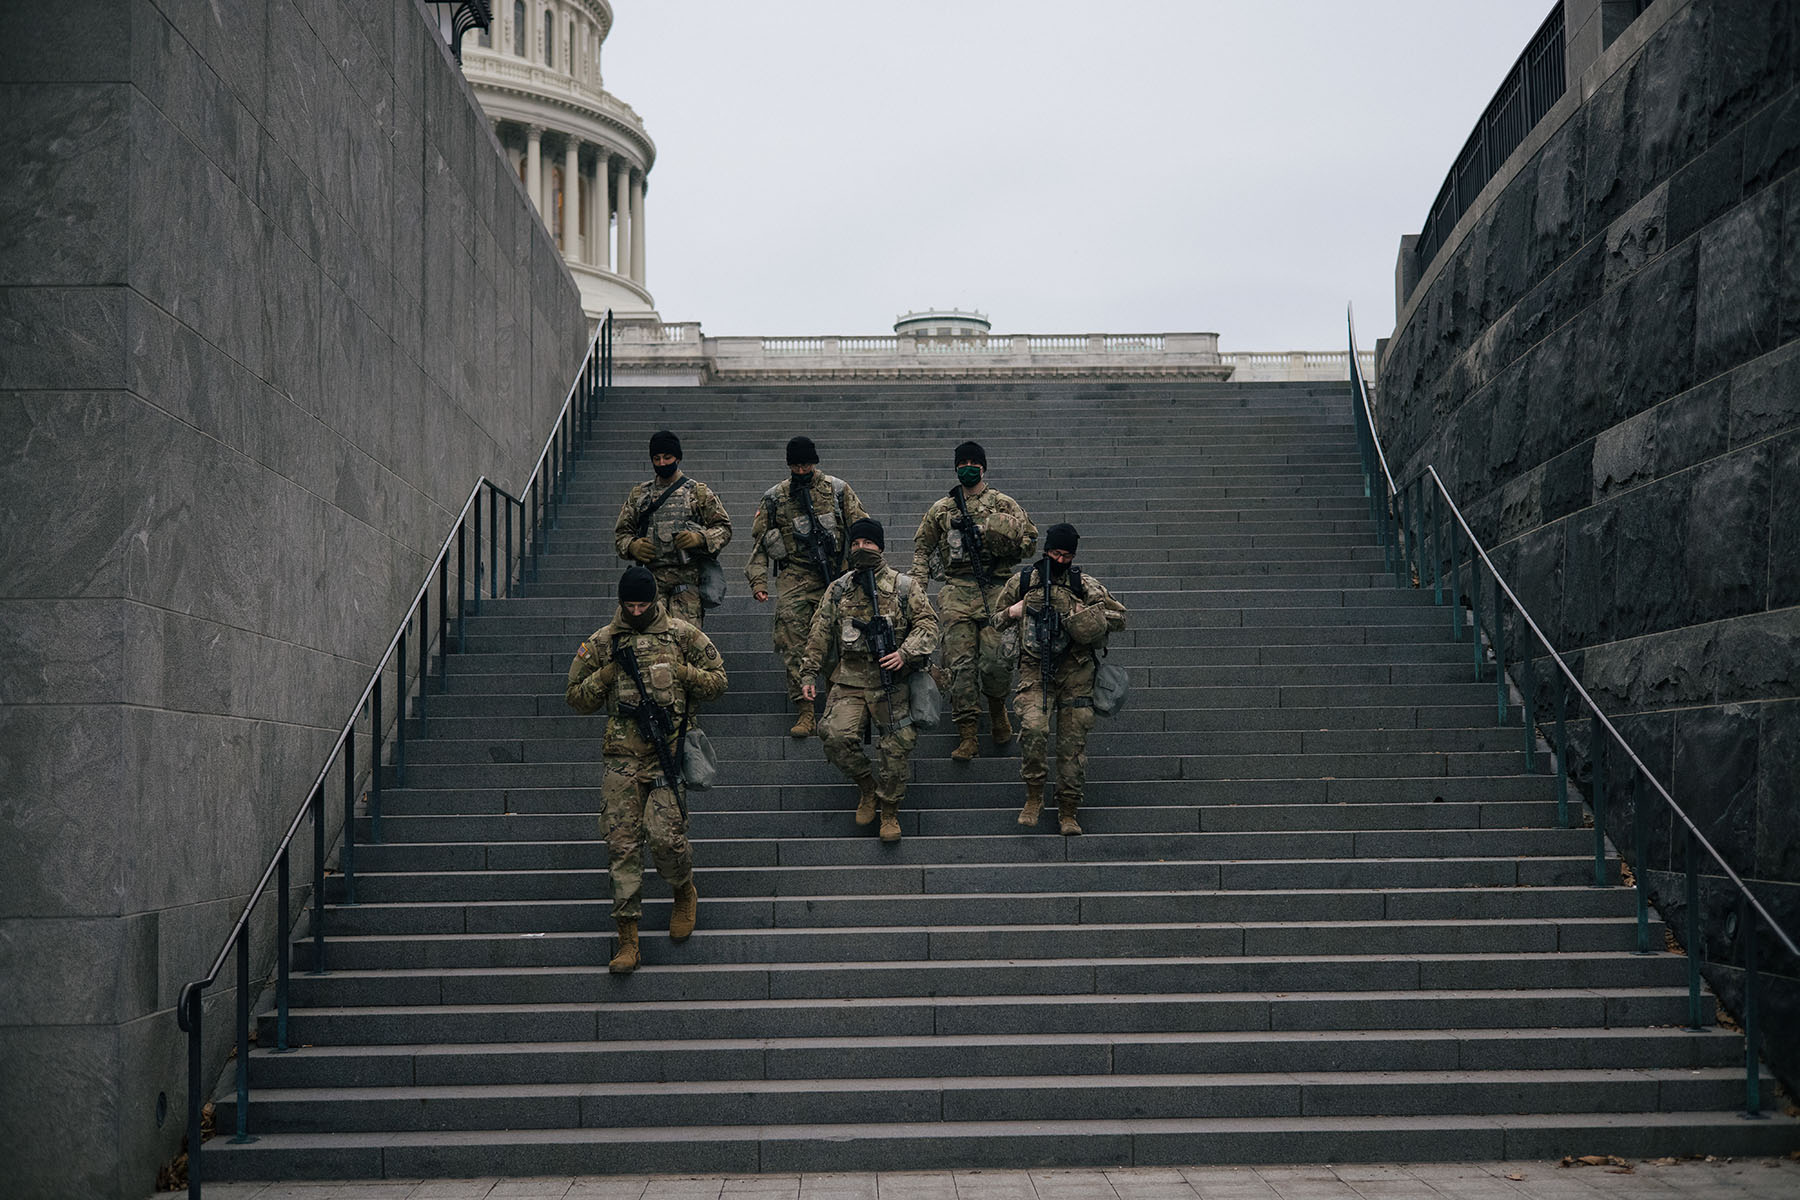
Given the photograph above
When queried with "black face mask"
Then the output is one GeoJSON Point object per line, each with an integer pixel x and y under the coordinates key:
{"type": "Point", "coordinates": [642, 621]}
{"type": "Point", "coordinates": [865, 560]}
{"type": "Point", "coordinates": [666, 470]}
{"type": "Point", "coordinates": [799, 483]}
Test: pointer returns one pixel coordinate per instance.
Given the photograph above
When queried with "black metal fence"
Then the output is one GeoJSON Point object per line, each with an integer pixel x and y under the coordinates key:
{"type": "Point", "coordinates": [499, 552]}
{"type": "Point", "coordinates": [1535, 82]}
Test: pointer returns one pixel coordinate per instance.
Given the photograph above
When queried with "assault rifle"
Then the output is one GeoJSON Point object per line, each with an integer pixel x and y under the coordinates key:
{"type": "Point", "coordinates": [820, 546]}
{"type": "Point", "coordinates": [653, 723]}
{"type": "Point", "coordinates": [972, 543]}
{"type": "Point", "coordinates": [1046, 631]}
{"type": "Point", "coordinates": [879, 632]}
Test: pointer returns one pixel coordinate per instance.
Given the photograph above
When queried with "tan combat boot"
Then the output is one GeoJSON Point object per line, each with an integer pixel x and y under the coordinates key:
{"type": "Point", "coordinates": [681, 916]}
{"type": "Point", "coordinates": [1003, 731]}
{"type": "Point", "coordinates": [890, 821]}
{"type": "Point", "coordinates": [1034, 804]}
{"type": "Point", "coordinates": [806, 722]}
{"type": "Point", "coordinates": [1067, 825]}
{"type": "Point", "coordinates": [626, 960]}
{"type": "Point", "coordinates": [865, 806]}
{"type": "Point", "coordinates": [967, 748]}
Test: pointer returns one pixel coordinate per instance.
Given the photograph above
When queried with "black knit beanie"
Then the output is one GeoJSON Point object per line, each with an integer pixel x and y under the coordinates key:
{"type": "Point", "coordinates": [664, 442]}
{"type": "Point", "coordinates": [800, 451]}
{"type": "Point", "coordinates": [637, 586]}
{"type": "Point", "coordinates": [1061, 536]}
{"type": "Point", "coordinates": [970, 452]}
{"type": "Point", "coordinates": [868, 527]}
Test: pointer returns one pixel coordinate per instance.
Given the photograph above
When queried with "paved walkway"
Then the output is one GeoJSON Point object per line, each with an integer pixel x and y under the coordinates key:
{"type": "Point", "coordinates": [1743, 1179]}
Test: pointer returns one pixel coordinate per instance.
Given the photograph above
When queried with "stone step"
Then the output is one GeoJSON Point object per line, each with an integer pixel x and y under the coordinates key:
{"type": "Point", "coordinates": [732, 877]}
{"type": "Point", "coordinates": [1058, 1098]}
{"type": "Point", "coordinates": [996, 1055]}
{"type": "Point", "coordinates": [878, 999]}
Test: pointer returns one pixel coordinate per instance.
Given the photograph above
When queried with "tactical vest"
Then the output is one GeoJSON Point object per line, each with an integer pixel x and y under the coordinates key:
{"type": "Point", "coordinates": [780, 542]}
{"type": "Point", "coordinates": [1031, 588]}
{"type": "Point", "coordinates": [850, 638]}
{"type": "Point", "coordinates": [659, 657]}
{"type": "Point", "coordinates": [671, 517]}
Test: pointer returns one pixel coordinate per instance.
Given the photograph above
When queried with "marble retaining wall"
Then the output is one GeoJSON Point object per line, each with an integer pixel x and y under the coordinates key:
{"type": "Point", "coordinates": [270, 301]}
{"type": "Point", "coordinates": [1604, 365]}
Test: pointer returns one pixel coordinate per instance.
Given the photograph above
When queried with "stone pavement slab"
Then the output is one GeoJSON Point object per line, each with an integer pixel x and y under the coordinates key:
{"type": "Point", "coordinates": [1721, 1179]}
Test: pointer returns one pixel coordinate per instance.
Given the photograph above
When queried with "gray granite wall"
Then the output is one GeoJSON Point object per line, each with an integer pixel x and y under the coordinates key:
{"type": "Point", "coordinates": [270, 301]}
{"type": "Point", "coordinates": [1606, 371]}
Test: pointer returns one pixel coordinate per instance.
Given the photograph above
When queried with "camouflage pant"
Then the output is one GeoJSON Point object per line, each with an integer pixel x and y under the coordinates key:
{"type": "Point", "coordinates": [846, 710]}
{"type": "Point", "coordinates": [1070, 683]}
{"type": "Point", "coordinates": [638, 811]}
{"type": "Point", "coordinates": [684, 603]}
{"type": "Point", "coordinates": [796, 599]}
{"type": "Point", "coordinates": [979, 659]}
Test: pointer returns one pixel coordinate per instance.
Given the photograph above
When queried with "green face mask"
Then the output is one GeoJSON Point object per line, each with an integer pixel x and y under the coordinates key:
{"type": "Point", "coordinates": [969, 475]}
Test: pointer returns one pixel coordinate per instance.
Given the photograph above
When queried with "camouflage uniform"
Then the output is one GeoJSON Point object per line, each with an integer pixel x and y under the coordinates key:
{"type": "Point", "coordinates": [680, 665]}
{"type": "Point", "coordinates": [799, 585]}
{"type": "Point", "coordinates": [979, 658]}
{"type": "Point", "coordinates": [692, 506]}
{"type": "Point", "coordinates": [1090, 613]}
{"type": "Point", "coordinates": [856, 693]}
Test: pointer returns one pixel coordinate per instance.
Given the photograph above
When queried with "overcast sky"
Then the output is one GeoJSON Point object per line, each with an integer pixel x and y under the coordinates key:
{"type": "Point", "coordinates": [1122, 166]}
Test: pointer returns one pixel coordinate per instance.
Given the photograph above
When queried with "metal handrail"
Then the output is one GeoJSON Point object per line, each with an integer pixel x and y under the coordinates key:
{"type": "Point", "coordinates": [538, 500]}
{"type": "Point", "coordinates": [1405, 532]}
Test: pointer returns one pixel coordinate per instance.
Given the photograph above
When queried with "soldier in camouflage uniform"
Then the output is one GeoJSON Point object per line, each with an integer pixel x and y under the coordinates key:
{"type": "Point", "coordinates": [679, 666]}
{"type": "Point", "coordinates": [801, 532]}
{"type": "Point", "coordinates": [666, 521]}
{"type": "Point", "coordinates": [858, 698]}
{"type": "Point", "coordinates": [978, 658]}
{"type": "Point", "coordinates": [1089, 613]}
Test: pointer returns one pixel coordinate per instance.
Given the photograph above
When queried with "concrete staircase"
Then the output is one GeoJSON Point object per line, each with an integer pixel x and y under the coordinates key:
{"type": "Point", "coordinates": [1321, 911]}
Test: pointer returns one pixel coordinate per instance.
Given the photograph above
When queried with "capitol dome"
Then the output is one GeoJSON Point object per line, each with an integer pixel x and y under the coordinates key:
{"type": "Point", "coordinates": [580, 151]}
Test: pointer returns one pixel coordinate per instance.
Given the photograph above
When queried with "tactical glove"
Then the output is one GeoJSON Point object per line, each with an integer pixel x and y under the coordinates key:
{"type": "Point", "coordinates": [642, 549]}
{"type": "Point", "coordinates": [689, 539]}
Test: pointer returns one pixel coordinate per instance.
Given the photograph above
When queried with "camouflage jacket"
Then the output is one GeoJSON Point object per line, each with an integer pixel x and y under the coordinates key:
{"type": "Point", "coordinates": [845, 603]}
{"type": "Point", "coordinates": [941, 550]}
{"type": "Point", "coordinates": [781, 522]}
{"type": "Point", "coordinates": [679, 665]}
{"type": "Point", "coordinates": [692, 505]}
{"type": "Point", "coordinates": [1089, 613]}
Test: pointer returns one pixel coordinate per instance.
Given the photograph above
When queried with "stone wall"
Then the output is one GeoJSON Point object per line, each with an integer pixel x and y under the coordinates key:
{"type": "Point", "coordinates": [1604, 365]}
{"type": "Point", "coordinates": [270, 302]}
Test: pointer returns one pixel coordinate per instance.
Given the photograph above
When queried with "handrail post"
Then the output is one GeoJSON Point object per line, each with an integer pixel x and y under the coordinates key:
{"type": "Point", "coordinates": [1475, 608]}
{"type": "Point", "coordinates": [1599, 805]}
{"type": "Point", "coordinates": [243, 1037]}
{"type": "Point", "coordinates": [424, 658]}
{"type": "Point", "coordinates": [1456, 631]}
{"type": "Point", "coordinates": [375, 763]}
{"type": "Point", "coordinates": [1437, 550]}
{"type": "Point", "coordinates": [347, 857]}
{"type": "Point", "coordinates": [1752, 1054]}
{"type": "Point", "coordinates": [284, 953]}
{"type": "Point", "coordinates": [1562, 753]}
{"type": "Point", "coordinates": [318, 890]}
{"type": "Point", "coordinates": [1419, 531]}
{"type": "Point", "coordinates": [1499, 652]}
{"type": "Point", "coordinates": [1528, 702]}
{"type": "Point", "coordinates": [1639, 832]}
{"type": "Point", "coordinates": [400, 715]}
{"type": "Point", "coordinates": [462, 581]}
{"type": "Point", "coordinates": [443, 624]}
{"type": "Point", "coordinates": [1692, 882]}
{"type": "Point", "coordinates": [509, 554]}
{"type": "Point", "coordinates": [493, 543]}
{"type": "Point", "coordinates": [477, 547]}
{"type": "Point", "coordinates": [196, 1091]}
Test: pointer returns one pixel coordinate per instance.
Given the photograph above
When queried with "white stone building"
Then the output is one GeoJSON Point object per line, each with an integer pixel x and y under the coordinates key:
{"type": "Point", "coordinates": [580, 151]}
